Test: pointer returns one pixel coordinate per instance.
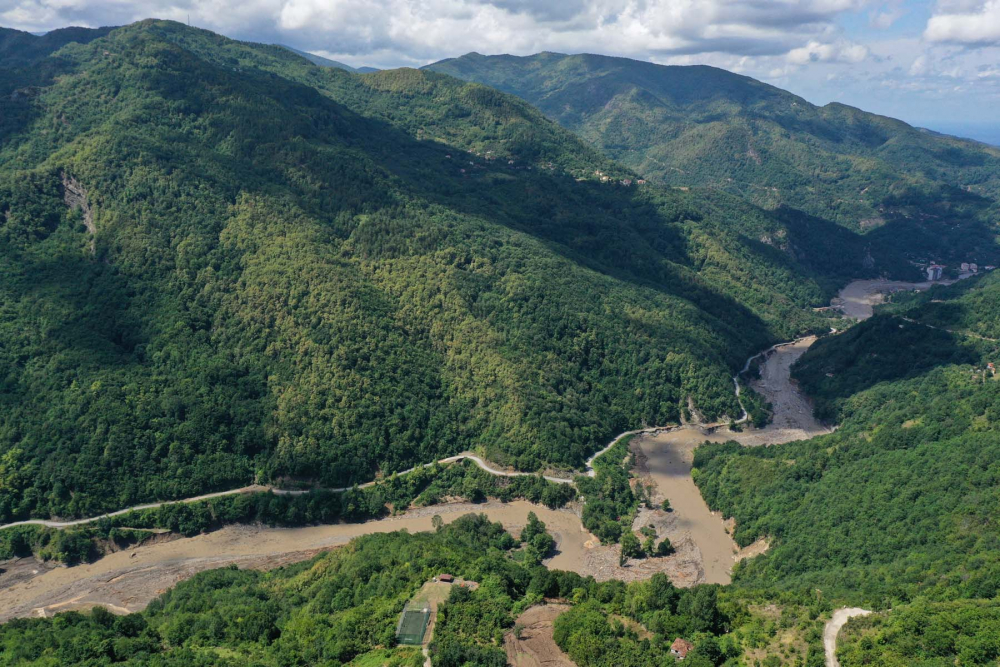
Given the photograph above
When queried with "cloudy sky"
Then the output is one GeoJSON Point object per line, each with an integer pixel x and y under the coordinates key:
{"type": "Point", "coordinates": [934, 63]}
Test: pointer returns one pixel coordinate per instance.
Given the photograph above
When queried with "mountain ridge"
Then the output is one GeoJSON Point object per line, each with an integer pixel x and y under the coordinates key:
{"type": "Point", "coordinates": [701, 126]}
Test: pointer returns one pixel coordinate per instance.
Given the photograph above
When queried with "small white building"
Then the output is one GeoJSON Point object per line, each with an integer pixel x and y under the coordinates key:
{"type": "Point", "coordinates": [934, 272]}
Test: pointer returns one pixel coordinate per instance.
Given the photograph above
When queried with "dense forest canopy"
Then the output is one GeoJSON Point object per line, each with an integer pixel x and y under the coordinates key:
{"type": "Point", "coordinates": [697, 126]}
{"type": "Point", "coordinates": [897, 508]}
{"type": "Point", "coordinates": [223, 263]}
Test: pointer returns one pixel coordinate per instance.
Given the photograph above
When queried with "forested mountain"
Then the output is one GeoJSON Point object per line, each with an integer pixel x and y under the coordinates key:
{"type": "Point", "coordinates": [19, 48]}
{"type": "Point", "coordinates": [223, 263]}
{"type": "Point", "coordinates": [701, 126]}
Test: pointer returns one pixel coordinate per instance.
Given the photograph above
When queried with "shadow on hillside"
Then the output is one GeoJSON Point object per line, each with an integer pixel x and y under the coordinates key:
{"type": "Point", "coordinates": [82, 308]}
{"type": "Point", "coordinates": [883, 348]}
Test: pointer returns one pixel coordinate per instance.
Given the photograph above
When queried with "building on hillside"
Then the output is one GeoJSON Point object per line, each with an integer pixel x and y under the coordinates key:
{"type": "Point", "coordinates": [446, 578]}
{"type": "Point", "coordinates": [974, 267]}
{"type": "Point", "coordinates": [680, 648]}
{"type": "Point", "coordinates": [934, 272]}
{"type": "Point", "coordinates": [965, 267]}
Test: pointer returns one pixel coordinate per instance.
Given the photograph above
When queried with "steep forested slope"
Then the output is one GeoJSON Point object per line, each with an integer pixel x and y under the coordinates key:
{"type": "Point", "coordinates": [702, 126]}
{"type": "Point", "coordinates": [223, 263]}
{"type": "Point", "coordinates": [898, 508]}
{"type": "Point", "coordinates": [915, 332]}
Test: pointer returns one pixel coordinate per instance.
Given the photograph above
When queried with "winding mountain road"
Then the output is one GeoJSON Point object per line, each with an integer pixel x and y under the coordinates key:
{"type": "Point", "coordinates": [832, 629]}
{"type": "Point", "coordinates": [257, 488]}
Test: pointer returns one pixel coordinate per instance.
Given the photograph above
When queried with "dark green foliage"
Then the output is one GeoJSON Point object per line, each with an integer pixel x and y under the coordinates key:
{"type": "Point", "coordinates": [969, 307]}
{"type": "Point", "coordinates": [592, 637]}
{"type": "Point", "coordinates": [610, 502]}
{"type": "Point", "coordinates": [664, 548]}
{"type": "Point", "coordinates": [925, 634]}
{"type": "Point", "coordinates": [20, 49]}
{"type": "Point", "coordinates": [344, 605]}
{"type": "Point", "coordinates": [538, 544]}
{"type": "Point", "coordinates": [895, 503]}
{"type": "Point", "coordinates": [884, 348]}
{"type": "Point", "coordinates": [333, 609]}
{"type": "Point", "coordinates": [898, 506]}
{"type": "Point", "coordinates": [630, 547]}
{"type": "Point", "coordinates": [290, 278]}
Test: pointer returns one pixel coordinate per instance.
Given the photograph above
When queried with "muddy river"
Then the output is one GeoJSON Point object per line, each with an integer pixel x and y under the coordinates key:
{"type": "Point", "coordinates": [127, 581]}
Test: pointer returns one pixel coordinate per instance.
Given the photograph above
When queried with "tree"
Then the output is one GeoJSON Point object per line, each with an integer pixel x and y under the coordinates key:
{"type": "Point", "coordinates": [630, 547]}
{"type": "Point", "coordinates": [664, 548]}
{"type": "Point", "coordinates": [532, 528]}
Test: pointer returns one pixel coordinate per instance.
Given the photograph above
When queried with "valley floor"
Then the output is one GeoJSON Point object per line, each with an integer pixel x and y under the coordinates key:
{"type": "Point", "coordinates": [126, 581]}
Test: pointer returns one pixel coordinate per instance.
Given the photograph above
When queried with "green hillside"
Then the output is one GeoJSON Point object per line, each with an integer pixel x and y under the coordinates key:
{"type": "Point", "coordinates": [224, 263]}
{"type": "Point", "coordinates": [701, 126]}
{"type": "Point", "coordinates": [19, 48]}
{"type": "Point", "coordinates": [896, 510]}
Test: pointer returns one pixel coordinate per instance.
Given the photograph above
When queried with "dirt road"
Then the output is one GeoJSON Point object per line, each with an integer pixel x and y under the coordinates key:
{"type": "Point", "coordinates": [534, 646]}
{"type": "Point", "coordinates": [257, 488]}
{"type": "Point", "coordinates": [832, 629]}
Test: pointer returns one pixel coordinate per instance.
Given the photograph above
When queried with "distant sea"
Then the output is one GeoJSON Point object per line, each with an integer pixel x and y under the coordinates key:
{"type": "Point", "coordinates": [988, 133]}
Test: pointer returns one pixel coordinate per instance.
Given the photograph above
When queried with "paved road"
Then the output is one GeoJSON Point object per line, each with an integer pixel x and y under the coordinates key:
{"type": "Point", "coordinates": [832, 629]}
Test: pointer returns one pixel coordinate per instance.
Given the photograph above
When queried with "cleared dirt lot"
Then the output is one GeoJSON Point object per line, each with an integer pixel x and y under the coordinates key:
{"type": "Point", "coordinates": [534, 647]}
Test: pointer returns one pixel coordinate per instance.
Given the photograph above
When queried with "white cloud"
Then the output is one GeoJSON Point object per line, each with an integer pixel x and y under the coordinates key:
{"type": "Point", "coordinates": [818, 52]}
{"type": "Point", "coordinates": [919, 66]}
{"type": "Point", "coordinates": [801, 45]}
{"type": "Point", "coordinates": [976, 24]}
{"type": "Point", "coordinates": [423, 30]}
{"type": "Point", "coordinates": [886, 16]}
